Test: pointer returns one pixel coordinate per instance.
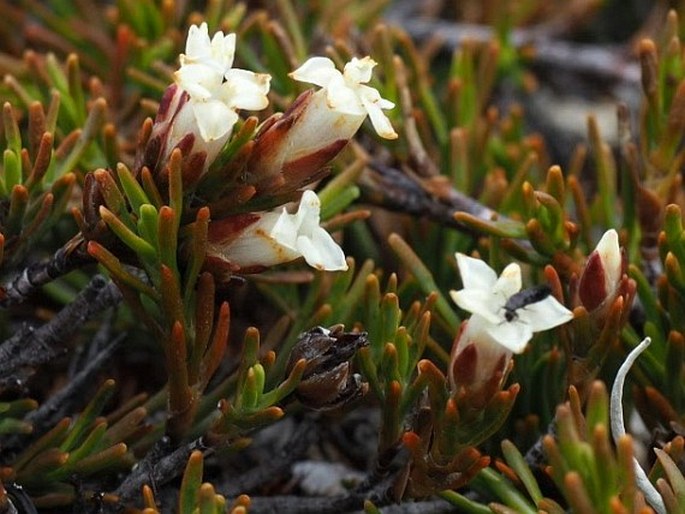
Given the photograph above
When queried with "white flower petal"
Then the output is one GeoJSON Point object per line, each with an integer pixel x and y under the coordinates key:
{"type": "Point", "coordinates": [544, 315]}
{"type": "Point", "coordinates": [316, 70]}
{"type": "Point", "coordinates": [309, 212]}
{"type": "Point", "coordinates": [215, 89]}
{"type": "Point", "coordinates": [385, 104]}
{"type": "Point", "coordinates": [311, 253]}
{"type": "Point", "coordinates": [216, 54]}
{"type": "Point", "coordinates": [346, 92]}
{"type": "Point", "coordinates": [282, 237]}
{"type": "Point", "coordinates": [284, 231]}
{"type": "Point", "coordinates": [199, 80]}
{"type": "Point", "coordinates": [223, 50]}
{"type": "Point", "coordinates": [244, 89]}
{"type": "Point", "coordinates": [479, 301]}
{"type": "Point", "coordinates": [380, 121]}
{"type": "Point", "coordinates": [610, 254]}
{"type": "Point", "coordinates": [197, 42]}
{"type": "Point", "coordinates": [359, 70]}
{"type": "Point", "coordinates": [514, 335]}
{"type": "Point", "coordinates": [509, 282]}
{"type": "Point", "coordinates": [342, 98]}
{"type": "Point", "coordinates": [485, 296]}
{"type": "Point", "coordinates": [321, 251]}
{"type": "Point", "coordinates": [475, 274]}
{"type": "Point", "coordinates": [214, 119]}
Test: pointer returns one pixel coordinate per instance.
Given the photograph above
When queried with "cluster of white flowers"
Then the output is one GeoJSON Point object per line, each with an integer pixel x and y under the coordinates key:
{"type": "Point", "coordinates": [216, 91]}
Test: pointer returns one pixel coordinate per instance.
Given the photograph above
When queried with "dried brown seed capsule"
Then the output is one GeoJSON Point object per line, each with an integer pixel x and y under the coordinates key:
{"type": "Point", "coordinates": [328, 381]}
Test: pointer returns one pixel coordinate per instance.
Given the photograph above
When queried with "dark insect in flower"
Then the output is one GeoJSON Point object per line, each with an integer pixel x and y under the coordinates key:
{"type": "Point", "coordinates": [526, 297]}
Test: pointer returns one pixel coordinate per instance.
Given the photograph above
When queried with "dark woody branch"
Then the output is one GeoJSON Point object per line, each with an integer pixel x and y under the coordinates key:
{"type": "Point", "coordinates": [587, 59]}
{"type": "Point", "coordinates": [393, 189]}
{"type": "Point", "coordinates": [31, 347]}
{"type": "Point", "coordinates": [278, 464]}
{"type": "Point", "coordinates": [160, 465]}
{"type": "Point", "coordinates": [322, 505]}
{"type": "Point", "coordinates": [26, 282]}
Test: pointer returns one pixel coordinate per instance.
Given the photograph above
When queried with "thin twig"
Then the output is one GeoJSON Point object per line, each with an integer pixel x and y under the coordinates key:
{"type": "Point", "coordinates": [24, 284]}
{"type": "Point", "coordinates": [393, 189]}
{"type": "Point", "coordinates": [66, 400]}
{"type": "Point", "coordinates": [304, 505]}
{"type": "Point", "coordinates": [618, 428]}
{"type": "Point", "coordinates": [382, 468]}
{"type": "Point", "coordinates": [278, 464]}
{"type": "Point", "coordinates": [83, 354]}
{"type": "Point", "coordinates": [350, 502]}
{"type": "Point", "coordinates": [603, 62]}
{"type": "Point", "coordinates": [31, 347]}
{"type": "Point", "coordinates": [159, 466]}
{"type": "Point", "coordinates": [420, 507]}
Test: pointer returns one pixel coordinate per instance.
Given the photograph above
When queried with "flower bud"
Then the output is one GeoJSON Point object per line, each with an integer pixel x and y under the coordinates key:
{"type": "Point", "coordinates": [328, 382]}
{"type": "Point", "coordinates": [252, 242]}
{"type": "Point", "coordinates": [604, 269]}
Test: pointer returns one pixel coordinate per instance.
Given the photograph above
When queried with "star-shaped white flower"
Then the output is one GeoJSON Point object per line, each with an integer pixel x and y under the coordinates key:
{"type": "Point", "coordinates": [347, 92]}
{"type": "Point", "coordinates": [217, 53]}
{"type": "Point", "coordinates": [485, 296]}
{"type": "Point", "coordinates": [278, 237]}
{"type": "Point", "coordinates": [216, 90]}
{"type": "Point", "coordinates": [300, 234]}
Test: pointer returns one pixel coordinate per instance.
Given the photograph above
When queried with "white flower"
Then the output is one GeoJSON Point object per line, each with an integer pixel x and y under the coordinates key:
{"type": "Point", "coordinates": [216, 90]}
{"type": "Point", "coordinates": [485, 296]}
{"type": "Point", "coordinates": [346, 92]}
{"type": "Point", "coordinates": [216, 53]}
{"type": "Point", "coordinates": [279, 237]}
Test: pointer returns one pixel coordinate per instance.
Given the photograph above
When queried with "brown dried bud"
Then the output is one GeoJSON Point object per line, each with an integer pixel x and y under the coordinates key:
{"type": "Point", "coordinates": [328, 381]}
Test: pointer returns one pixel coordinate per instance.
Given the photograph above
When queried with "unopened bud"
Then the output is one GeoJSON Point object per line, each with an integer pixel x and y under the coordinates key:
{"type": "Point", "coordinates": [603, 272]}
